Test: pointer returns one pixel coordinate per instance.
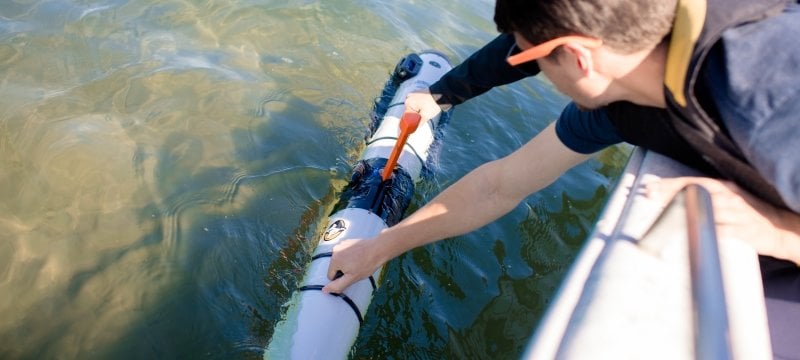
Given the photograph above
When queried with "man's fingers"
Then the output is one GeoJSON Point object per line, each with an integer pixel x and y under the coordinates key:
{"type": "Point", "coordinates": [332, 271]}
{"type": "Point", "coordinates": [338, 285]}
{"type": "Point", "coordinates": [424, 103]}
{"type": "Point", "coordinates": [662, 190]}
{"type": "Point", "coordinates": [333, 267]}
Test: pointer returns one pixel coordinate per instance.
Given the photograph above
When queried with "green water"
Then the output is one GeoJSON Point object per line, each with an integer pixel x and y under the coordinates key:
{"type": "Point", "coordinates": [166, 166]}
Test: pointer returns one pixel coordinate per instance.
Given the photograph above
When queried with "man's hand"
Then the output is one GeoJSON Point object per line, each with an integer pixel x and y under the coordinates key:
{"type": "Point", "coordinates": [356, 258]}
{"type": "Point", "coordinates": [738, 214]}
{"type": "Point", "coordinates": [423, 103]}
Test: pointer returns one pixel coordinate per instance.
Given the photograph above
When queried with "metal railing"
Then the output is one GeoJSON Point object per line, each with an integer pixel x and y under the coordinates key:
{"type": "Point", "coordinates": [712, 340]}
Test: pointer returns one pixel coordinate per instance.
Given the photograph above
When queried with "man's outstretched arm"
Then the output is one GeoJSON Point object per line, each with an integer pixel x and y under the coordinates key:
{"type": "Point", "coordinates": [480, 197]}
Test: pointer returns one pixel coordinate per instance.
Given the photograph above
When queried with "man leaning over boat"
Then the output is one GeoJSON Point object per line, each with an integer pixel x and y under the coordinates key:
{"type": "Point", "coordinates": [712, 84]}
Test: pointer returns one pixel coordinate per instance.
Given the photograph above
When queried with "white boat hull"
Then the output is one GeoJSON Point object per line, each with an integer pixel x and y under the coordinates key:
{"type": "Point", "coordinates": [628, 294]}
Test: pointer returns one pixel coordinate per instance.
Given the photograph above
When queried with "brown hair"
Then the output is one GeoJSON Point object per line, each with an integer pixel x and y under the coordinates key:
{"type": "Point", "coordinates": [624, 25]}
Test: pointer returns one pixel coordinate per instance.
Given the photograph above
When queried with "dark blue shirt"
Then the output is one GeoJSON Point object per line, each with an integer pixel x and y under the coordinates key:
{"type": "Point", "coordinates": [585, 132]}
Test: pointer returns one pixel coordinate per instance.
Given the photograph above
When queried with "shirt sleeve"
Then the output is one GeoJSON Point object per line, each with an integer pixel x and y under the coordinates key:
{"type": "Point", "coordinates": [586, 132]}
{"type": "Point", "coordinates": [483, 70]}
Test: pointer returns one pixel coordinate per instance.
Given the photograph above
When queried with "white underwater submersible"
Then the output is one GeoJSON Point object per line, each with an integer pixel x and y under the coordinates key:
{"type": "Point", "coordinates": [325, 326]}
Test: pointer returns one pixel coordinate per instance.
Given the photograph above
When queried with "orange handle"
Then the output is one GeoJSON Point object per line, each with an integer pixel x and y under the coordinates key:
{"type": "Point", "coordinates": [408, 124]}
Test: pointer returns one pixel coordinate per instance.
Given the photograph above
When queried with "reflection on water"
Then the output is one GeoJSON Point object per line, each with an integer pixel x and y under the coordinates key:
{"type": "Point", "coordinates": [165, 166]}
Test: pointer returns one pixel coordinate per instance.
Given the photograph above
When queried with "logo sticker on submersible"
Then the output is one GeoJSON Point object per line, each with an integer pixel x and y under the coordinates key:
{"type": "Point", "coordinates": [334, 230]}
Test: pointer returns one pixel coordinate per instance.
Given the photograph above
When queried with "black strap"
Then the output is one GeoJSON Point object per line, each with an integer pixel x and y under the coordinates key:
{"type": "Point", "coordinates": [329, 254]}
{"type": "Point", "coordinates": [344, 297]}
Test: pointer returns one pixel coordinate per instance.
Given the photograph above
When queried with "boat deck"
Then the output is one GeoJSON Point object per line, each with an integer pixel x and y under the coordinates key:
{"type": "Point", "coordinates": [629, 294]}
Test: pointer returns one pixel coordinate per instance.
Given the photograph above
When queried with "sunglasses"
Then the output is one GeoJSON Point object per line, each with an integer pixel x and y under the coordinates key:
{"type": "Point", "coordinates": [547, 47]}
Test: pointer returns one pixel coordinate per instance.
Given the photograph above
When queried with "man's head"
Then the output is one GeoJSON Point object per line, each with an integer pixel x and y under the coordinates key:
{"type": "Point", "coordinates": [592, 50]}
{"type": "Point", "coordinates": [624, 25]}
